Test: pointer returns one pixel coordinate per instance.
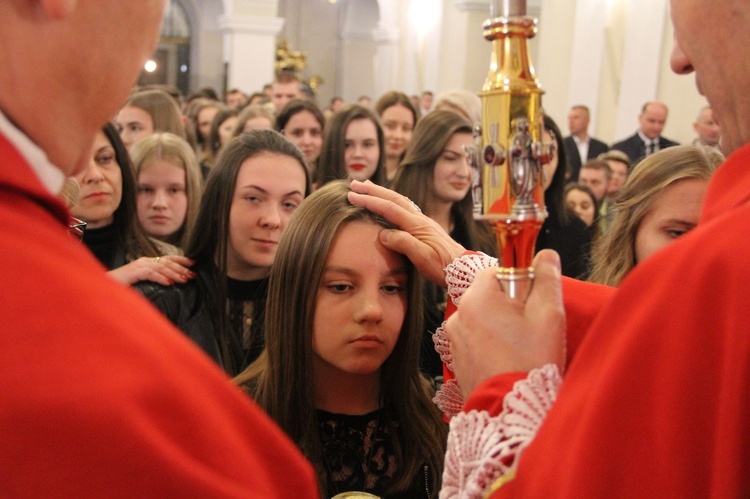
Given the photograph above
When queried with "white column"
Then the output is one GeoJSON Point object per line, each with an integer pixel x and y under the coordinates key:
{"type": "Point", "coordinates": [465, 59]}
{"type": "Point", "coordinates": [358, 29]}
{"type": "Point", "coordinates": [249, 49]}
{"type": "Point", "coordinates": [386, 59]}
{"type": "Point", "coordinates": [358, 56]}
{"type": "Point", "coordinates": [639, 78]}
{"type": "Point", "coordinates": [587, 56]}
{"type": "Point", "coordinates": [421, 45]}
{"type": "Point", "coordinates": [552, 62]}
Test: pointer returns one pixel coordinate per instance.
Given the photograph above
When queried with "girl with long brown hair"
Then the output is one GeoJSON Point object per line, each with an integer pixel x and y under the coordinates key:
{"type": "Point", "coordinates": [353, 147]}
{"type": "Point", "coordinates": [680, 172]}
{"type": "Point", "coordinates": [258, 181]}
{"type": "Point", "coordinates": [340, 370]}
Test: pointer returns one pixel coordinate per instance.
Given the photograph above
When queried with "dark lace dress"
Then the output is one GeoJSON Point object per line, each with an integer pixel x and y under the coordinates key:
{"type": "Point", "coordinates": [358, 455]}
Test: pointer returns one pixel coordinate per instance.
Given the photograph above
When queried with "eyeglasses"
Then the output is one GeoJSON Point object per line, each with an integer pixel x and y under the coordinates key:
{"type": "Point", "coordinates": [76, 228]}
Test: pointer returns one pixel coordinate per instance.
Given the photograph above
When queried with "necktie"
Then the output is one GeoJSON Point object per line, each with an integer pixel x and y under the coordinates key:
{"type": "Point", "coordinates": [650, 147]}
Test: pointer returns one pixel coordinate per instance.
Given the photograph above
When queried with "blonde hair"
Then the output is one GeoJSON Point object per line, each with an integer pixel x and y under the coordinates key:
{"type": "Point", "coordinates": [615, 155]}
{"type": "Point", "coordinates": [176, 151]}
{"type": "Point", "coordinates": [162, 108]}
{"type": "Point", "coordinates": [614, 254]}
{"type": "Point", "coordinates": [267, 110]}
{"type": "Point", "coordinates": [466, 101]}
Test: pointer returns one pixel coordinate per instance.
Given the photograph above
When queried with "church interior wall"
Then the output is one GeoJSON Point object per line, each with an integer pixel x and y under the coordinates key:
{"type": "Point", "coordinates": [398, 51]}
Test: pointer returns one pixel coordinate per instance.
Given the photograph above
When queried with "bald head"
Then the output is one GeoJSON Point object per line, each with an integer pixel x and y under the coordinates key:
{"type": "Point", "coordinates": [76, 60]}
{"type": "Point", "coordinates": [652, 119]}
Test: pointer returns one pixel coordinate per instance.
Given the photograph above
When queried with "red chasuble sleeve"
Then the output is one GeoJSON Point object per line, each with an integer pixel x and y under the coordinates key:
{"type": "Point", "coordinates": [99, 395]}
{"type": "Point", "coordinates": [656, 402]}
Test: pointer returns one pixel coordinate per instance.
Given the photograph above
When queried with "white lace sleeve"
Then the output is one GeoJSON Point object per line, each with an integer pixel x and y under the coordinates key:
{"type": "Point", "coordinates": [459, 274]}
{"type": "Point", "coordinates": [481, 448]}
{"type": "Point", "coordinates": [448, 398]}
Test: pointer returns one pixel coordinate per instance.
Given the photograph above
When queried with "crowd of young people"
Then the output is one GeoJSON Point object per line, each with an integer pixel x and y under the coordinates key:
{"type": "Point", "coordinates": [328, 345]}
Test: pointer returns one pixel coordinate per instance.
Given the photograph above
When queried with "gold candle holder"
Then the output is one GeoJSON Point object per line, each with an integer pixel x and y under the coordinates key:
{"type": "Point", "coordinates": [508, 151]}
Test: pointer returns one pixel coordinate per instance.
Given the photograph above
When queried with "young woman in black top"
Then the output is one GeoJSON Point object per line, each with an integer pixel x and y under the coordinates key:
{"type": "Point", "coordinates": [258, 181]}
{"type": "Point", "coordinates": [340, 371]}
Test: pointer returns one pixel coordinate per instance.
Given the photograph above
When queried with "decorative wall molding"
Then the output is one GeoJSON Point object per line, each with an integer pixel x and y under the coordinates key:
{"type": "Point", "coordinates": [237, 23]}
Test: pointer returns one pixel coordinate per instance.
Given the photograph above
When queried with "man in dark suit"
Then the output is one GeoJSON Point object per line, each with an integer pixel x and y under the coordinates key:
{"type": "Point", "coordinates": [647, 140]}
{"type": "Point", "coordinates": [579, 146]}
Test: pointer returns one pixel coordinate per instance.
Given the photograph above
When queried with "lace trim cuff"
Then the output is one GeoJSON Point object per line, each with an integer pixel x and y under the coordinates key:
{"type": "Point", "coordinates": [443, 346]}
{"type": "Point", "coordinates": [481, 449]}
{"type": "Point", "coordinates": [448, 398]}
{"type": "Point", "coordinates": [460, 273]}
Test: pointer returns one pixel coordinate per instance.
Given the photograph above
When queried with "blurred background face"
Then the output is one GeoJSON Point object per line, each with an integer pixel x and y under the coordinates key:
{"type": "Point", "coordinates": [365, 101]}
{"type": "Point", "coordinates": [596, 180]}
{"type": "Point", "coordinates": [578, 121]}
{"type": "Point", "coordinates": [205, 118]}
{"type": "Point", "coordinates": [673, 213]}
{"type": "Point", "coordinates": [708, 131]}
{"type": "Point", "coordinates": [134, 124]}
{"type": "Point", "coordinates": [282, 93]}
{"type": "Point", "coordinates": [336, 104]}
{"type": "Point", "coordinates": [226, 129]}
{"type": "Point", "coordinates": [582, 204]}
{"type": "Point", "coordinates": [101, 186]}
{"type": "Point", "coordinates": [452, 174]}
{"type": "Point", "coordinates": [398, 125]}
{"type": "Point", "coordinates": [162, 198]}
{"type": "Point", "coordinates": [304, 131]}
{"type": "Point", "coordinates": [258, 123]}
{"type": "Point", "coordinates": [619, 176]}
{"type": "Point", "coordinates": [236, 99]}
{"type": "Point", "coordinates": [652, 120]}
{"type": "Point", "coordinates": [361, 151]}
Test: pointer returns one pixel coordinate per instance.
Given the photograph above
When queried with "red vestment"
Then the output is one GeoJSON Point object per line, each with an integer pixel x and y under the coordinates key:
{"type": "Point", "coordinates": [656, 401]}
{"type": "Point", "coordinates": [99, 395]}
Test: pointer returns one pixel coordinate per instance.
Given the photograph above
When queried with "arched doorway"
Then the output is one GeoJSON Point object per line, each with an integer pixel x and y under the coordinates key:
{"type": "Point", "coordinates": [170, 63]}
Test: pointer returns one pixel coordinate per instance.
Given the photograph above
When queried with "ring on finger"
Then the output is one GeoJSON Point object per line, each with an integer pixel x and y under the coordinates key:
{"type": "Point", "coordinates": [414, 205]}
{"type": "Point", "coordinates": [156, 259]}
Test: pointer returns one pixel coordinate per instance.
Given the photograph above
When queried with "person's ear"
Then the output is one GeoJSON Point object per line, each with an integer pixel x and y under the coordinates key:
{"type": "Point", "coordinates": [58, 9]}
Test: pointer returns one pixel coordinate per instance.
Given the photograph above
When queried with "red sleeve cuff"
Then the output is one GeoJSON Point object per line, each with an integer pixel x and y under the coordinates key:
{"type": "Point", "coordinates": [489, 395]}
